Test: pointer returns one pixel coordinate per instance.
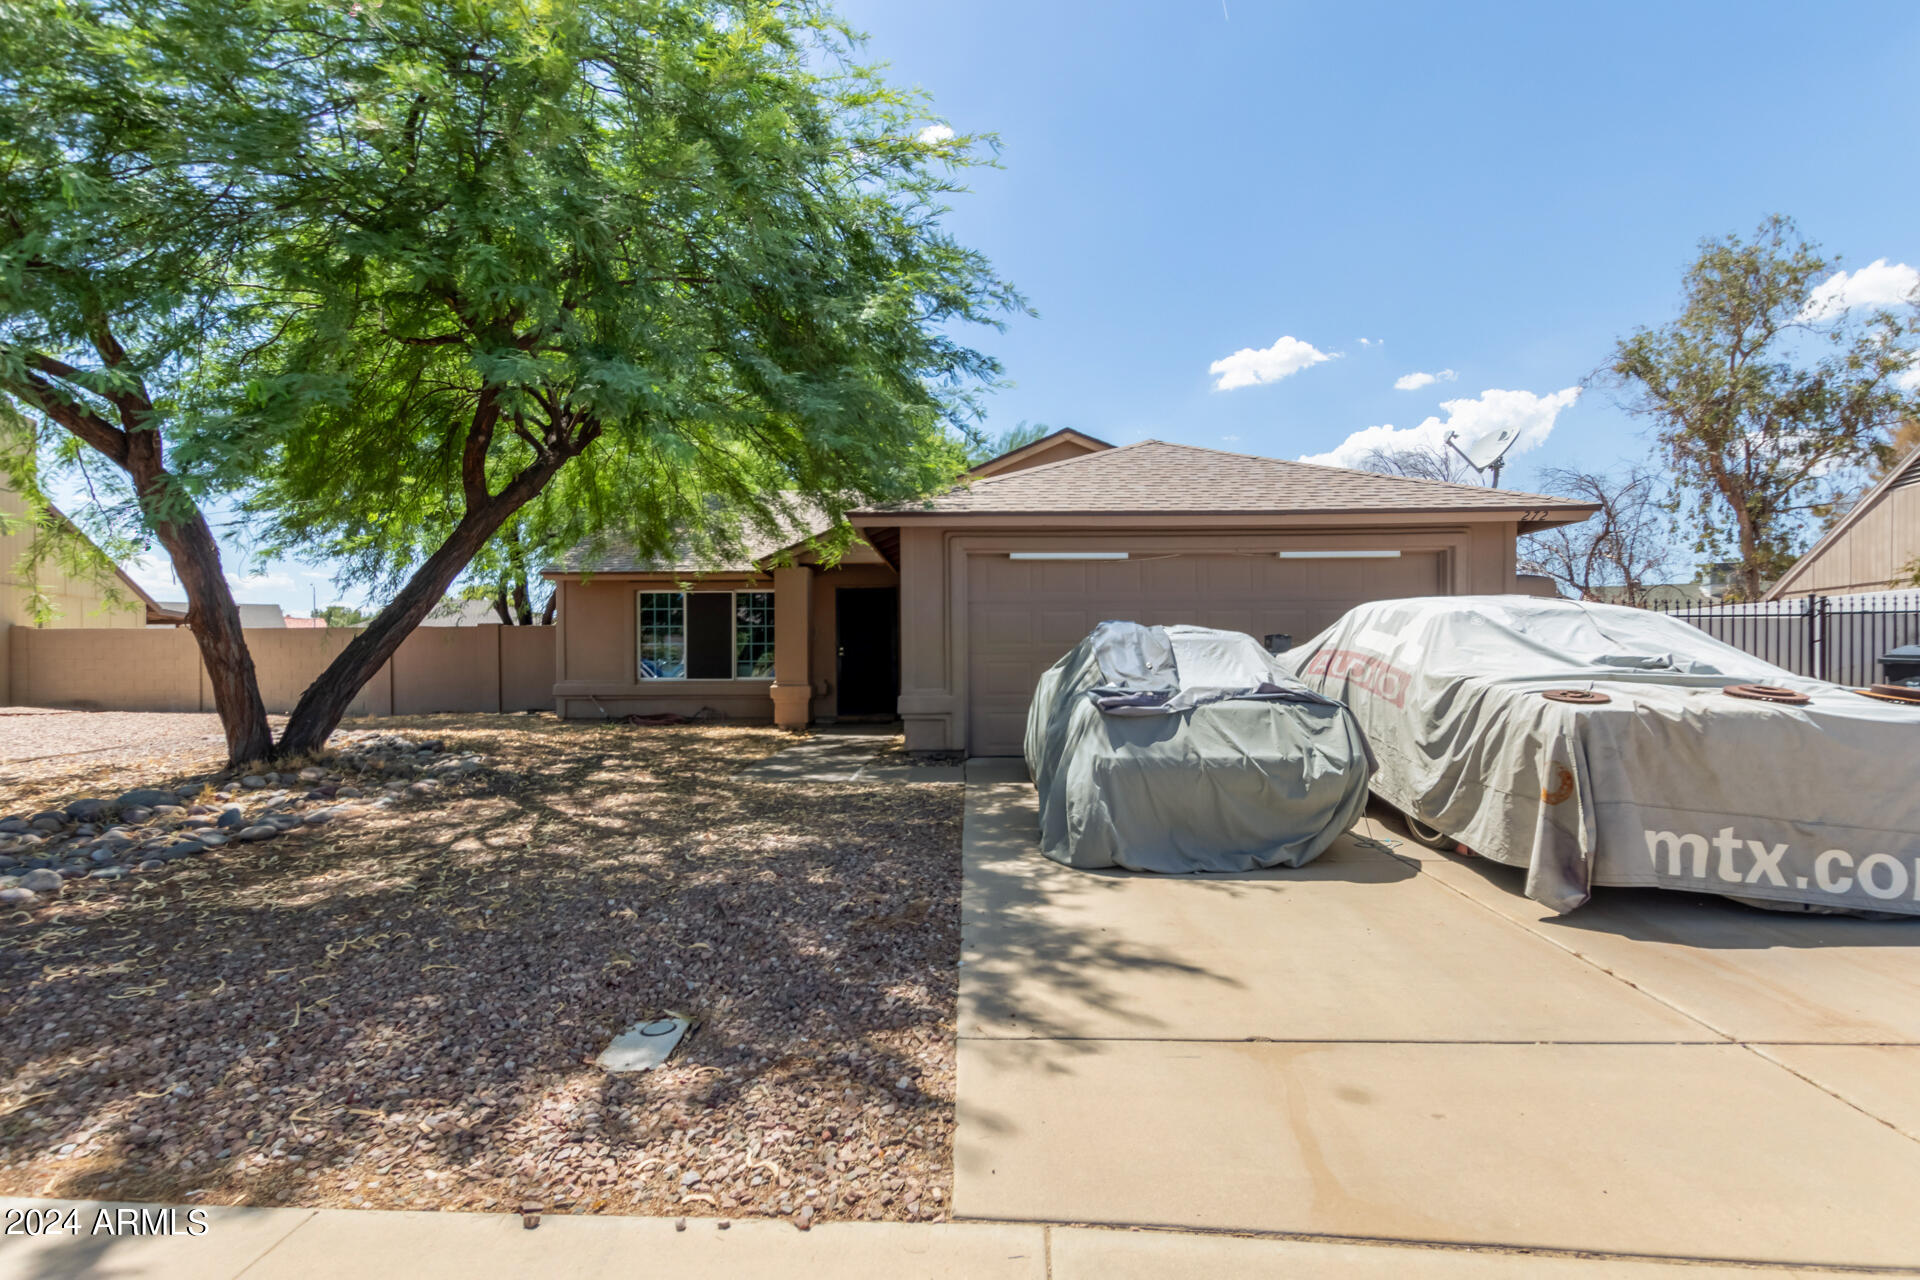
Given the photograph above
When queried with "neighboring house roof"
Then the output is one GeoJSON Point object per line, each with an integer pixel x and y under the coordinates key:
{"type": "Point", "coordinates": [461, 613]}
{"type": "Point", "coordinates": [251, 615]}
{"type": "Point", "coordinates": [1155, 478]}
{"type": "Point", "coordinates": [1064, 440]}
{"type": "Point", "coordinates": [1903, 473]}
{"type": "Point", "coordinates": [157, 614]}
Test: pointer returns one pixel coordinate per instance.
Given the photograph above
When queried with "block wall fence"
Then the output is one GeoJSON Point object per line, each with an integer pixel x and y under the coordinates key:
{"type": "Point", "coordinates": [482, 668]}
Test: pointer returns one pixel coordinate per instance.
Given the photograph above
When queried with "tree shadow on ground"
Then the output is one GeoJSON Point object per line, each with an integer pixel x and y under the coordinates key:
{"type": "Point", "coordinates": [1031, 926]}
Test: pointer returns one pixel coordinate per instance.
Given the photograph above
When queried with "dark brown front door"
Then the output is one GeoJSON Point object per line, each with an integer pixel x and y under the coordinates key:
{"type": "Point", "coordinates": [867, 631]}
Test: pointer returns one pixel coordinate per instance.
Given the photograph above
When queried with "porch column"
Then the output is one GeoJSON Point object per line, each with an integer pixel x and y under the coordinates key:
{"type": "Point", "coordinates": [792, 669]}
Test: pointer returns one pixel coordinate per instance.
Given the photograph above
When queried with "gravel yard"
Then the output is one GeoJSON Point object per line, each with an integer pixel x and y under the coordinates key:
{"type": "Point", "coordinates": [400, 1007]}
{"type": "Point", "coordinates": [45, 751]}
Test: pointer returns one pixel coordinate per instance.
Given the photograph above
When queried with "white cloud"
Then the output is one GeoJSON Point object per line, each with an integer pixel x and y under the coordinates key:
{"type": "Point", "coordinates": [1878, 284]}
{"type": "Point", "coordinates": [1908, 379]}
{"type": "Point", "coordinates": [935, 133]}
{"type": "Point", "coordinates": [1371, 342]}
{"type": "Point", "coordinates": [1528, 416]}
{"type": "Point", "coordinates": [255, 580]}
{"type": "Point", "coordinates": [1249, 367]}
{"type": "Point", "coordinates": [1415, 381]}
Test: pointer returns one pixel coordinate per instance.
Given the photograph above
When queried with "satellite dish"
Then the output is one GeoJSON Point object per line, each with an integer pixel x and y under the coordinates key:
{"type": "Point", "coordinates": [1485, 453]}
{"type": "Point", "coordinates": [1485, 450]}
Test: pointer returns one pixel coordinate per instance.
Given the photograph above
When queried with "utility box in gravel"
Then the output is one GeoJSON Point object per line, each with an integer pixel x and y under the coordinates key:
{"type": "Point", "coordinates": [644, 1045]}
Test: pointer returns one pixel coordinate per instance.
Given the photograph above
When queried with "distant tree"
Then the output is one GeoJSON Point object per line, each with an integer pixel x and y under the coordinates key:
{"type": "Point", "coordinates": [506, 575]}
{"type": "Point", "coordinates": [1616, 553]}
{"type": "Point", "coordinates": [1759, 397]}
{"type": "Point", "coordinates": [986, 448]}
{"type": "Point", "coordinates": [342, 615]}
{"type": "Point", "coordinates": [1421, 462]}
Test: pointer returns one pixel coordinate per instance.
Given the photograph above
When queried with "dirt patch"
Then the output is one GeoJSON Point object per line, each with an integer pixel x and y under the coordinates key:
{"type": "Point", "coordinates": [403, 1012]}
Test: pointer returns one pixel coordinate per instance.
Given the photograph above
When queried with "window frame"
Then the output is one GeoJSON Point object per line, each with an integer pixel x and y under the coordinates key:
{"type": "Point", "coordinates": [733, 635]}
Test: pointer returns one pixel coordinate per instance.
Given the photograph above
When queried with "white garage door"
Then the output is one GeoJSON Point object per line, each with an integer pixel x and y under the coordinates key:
{"type": "Point", "coordinates": [1023, 614]}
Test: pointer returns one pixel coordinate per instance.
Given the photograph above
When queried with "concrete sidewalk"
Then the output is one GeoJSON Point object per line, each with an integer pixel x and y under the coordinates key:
{"type": "Point", "coordinates": [1398, 1046]}
{"type": "Point", "coordinates": [305, 1244]}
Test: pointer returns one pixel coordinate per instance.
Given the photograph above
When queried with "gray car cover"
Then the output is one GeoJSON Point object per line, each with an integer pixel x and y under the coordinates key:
{"type": "Point", "coordinates": [1207, 756]}
{"type": "Point", "coordinates": [1672, 784]}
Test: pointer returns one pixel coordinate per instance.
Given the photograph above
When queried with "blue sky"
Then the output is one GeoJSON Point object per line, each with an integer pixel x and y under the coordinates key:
{"type": "Point", "coordinates": [1499, 191]}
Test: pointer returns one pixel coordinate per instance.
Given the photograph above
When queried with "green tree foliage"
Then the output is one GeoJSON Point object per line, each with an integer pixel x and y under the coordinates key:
{"type": "Point", "coordinates": [395, 271]}
{"type": "Point", "coordinates": [1759, 396]}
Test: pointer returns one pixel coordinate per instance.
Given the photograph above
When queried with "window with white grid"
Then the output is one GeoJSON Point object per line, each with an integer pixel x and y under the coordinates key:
{"type": "Point", "coordinates": [753, 635]}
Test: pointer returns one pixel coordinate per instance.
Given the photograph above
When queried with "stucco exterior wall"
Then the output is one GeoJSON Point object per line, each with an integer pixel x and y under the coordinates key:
{"type": "Point", "coordinates": [598, 670]}
{"type": "Point", "coordinates": [1475, 558]}
{"type": "Point", "coordinates": [1866, 555]}
{"type": "Point", "coordinates": [77, 602]}
{"type": "Point", "coordinates": [483, 668]}
{"type": "Point", "coordinates": [598, 662]}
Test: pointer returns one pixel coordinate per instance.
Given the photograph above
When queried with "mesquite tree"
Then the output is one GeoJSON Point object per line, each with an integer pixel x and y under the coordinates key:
{"type": "Point", "coordinates": [1763, 388]}
{"type": "Point", "coordinates": [673, 267]}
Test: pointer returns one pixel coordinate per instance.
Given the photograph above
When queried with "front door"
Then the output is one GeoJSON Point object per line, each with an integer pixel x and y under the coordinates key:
{"type": "Point", "coordinates": [867, 633]}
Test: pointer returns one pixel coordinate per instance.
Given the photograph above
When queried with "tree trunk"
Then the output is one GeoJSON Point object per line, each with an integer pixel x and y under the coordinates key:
{"type": "Point", "coordinates": [522, 603]}
{"type": "Point", "coordinates": [325, 701]}
{"type": "Point", "coordinates": [321, 707]}
{"type": "Point", "coordinates": [1749, 574]}
{"type": "Point", "coordinates": [553, 599]}
{"type": "Point", "coordinates": [500, 607]}
{"type": "Point", "coordinates": [212, 615]}
{"type": "Point", "coordinates": [134, 445]}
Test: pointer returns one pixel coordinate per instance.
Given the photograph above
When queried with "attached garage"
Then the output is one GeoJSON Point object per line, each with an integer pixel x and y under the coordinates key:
{"type": "Point", "coordinates": [1001, 576]}
{"type": "Point", "coordinates": [1024, 613]}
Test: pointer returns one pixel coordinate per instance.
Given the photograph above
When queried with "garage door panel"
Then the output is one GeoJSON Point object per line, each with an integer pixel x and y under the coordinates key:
{"type": "Point", "coordinates": [1061, 628]}
{"type": "Point", "coordinates": [1024, 614]}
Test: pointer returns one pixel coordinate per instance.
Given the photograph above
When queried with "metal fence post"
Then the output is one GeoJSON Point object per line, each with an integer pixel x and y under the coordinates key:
{"type": "Point", "coordinates": [1817, 636]}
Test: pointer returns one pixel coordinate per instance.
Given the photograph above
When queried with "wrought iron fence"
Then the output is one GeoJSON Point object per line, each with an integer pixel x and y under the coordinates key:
{"type": "Point", "coordinates": [1837, 638]}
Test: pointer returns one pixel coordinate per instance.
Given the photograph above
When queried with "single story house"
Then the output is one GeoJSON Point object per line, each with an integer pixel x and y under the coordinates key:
{"type": "Point", "coordinates": [1867, 549]}
{"type": "Point", "coordinates": [948, 610]}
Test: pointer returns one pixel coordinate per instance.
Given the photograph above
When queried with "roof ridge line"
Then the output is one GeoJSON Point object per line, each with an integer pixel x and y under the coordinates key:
{"type": "Point", "coordinates": [1048, 466]}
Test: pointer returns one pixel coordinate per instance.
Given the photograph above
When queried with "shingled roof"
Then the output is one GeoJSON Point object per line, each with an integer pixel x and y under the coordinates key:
{"type": "Point", "coordinates": [805, 522]}
{"type": "Point", "coordinates": [1155, 478]}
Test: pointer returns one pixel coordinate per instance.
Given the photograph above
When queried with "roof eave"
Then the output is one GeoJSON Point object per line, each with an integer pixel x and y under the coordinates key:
{"type": "Point", "coordinates": [1530, 518]}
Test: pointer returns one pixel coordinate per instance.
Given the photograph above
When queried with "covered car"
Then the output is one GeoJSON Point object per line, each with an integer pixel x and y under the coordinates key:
{"type": "Point", "coordinates": [1597, 744]}
{"type": "Point", "coordinates": [1184, 749]}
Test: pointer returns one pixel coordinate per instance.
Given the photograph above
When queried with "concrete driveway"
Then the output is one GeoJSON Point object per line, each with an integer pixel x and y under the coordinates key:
{"type": "Point", "coordinates": [1394, 1045]}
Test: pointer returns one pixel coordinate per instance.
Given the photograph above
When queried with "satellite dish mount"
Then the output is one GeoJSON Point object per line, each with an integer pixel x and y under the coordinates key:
{"type": "Point", "coordinates": [1486, 454]}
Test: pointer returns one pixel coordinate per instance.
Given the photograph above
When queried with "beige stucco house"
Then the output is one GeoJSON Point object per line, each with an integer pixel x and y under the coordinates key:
{"type": "Point", "coordinates": [1867, 549]}
{"type": "Point", "coordinates": [77, 601]}
{"type": "Point", "coordinates": [948, 610]}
